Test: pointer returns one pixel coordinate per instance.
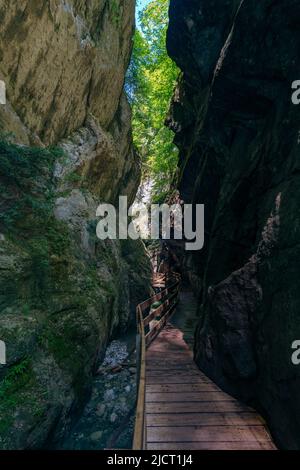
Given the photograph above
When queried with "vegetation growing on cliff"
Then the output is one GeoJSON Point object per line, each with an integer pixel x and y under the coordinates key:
{"type": "Point", "coordinates": [27, 206]}
{"type": "Point", "coordinates": [26, 184]}
{"type": "Point", "coordinates": [16, 390]}
{"type": "Point", "coordinates": [150, 83]}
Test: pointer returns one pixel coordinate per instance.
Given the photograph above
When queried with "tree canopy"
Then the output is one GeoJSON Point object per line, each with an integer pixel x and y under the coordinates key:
{"type": "Point", "coordinates": [150, 83]}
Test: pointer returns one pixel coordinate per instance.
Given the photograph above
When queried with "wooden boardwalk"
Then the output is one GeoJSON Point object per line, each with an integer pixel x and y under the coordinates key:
{"type": "Point", "coordinates": [186, 410]}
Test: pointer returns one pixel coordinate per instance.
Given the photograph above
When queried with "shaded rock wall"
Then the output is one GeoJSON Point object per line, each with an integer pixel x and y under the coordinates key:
{"type": "Point", "coordinates": [238, 135]}
{"type": "Point", "coordinates": [63, 292]}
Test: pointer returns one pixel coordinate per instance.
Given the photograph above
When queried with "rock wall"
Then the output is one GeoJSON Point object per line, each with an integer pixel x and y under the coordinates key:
{"type": "Point", "coordinates": [238, 135]}
{"type": "Point", "coordinates": [63, 292]}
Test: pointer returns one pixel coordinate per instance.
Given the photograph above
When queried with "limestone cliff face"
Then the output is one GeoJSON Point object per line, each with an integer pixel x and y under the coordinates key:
{"type": "Point", "coordinates": [63, 292]}
{"type": "Point", "coordinates": [64, 64]}
{"type": "Point", "coordinates": [238, 135]}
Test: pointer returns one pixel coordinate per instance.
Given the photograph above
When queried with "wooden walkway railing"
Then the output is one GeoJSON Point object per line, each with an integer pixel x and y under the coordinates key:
{"type": "Point", "coordinates": [159, 280]}
{"type": "Point", "coordinates": [178, 406]}
{"type": "Point", "coordinates": [151, 319]}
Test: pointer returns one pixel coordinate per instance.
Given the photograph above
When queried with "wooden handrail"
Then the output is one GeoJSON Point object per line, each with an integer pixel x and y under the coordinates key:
{"type": "Point", "coordinates": [157, 311]}
{"type": "Point", "coordinates": [155, 298]}
{"type": "Point", "coordinates": [139, 438]}
{"type": "Point", "coordinates": [170, 298]}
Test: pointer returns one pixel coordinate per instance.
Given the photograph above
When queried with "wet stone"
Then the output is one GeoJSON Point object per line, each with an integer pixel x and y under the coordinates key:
{"type": "Point", "coordinates": [96, 436]}
{"type": "Point", "coordinates": [113, 397]}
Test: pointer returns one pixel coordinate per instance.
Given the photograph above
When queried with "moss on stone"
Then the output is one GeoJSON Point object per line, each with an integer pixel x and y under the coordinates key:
{"type": "Point", "coordinates": [18, 389]}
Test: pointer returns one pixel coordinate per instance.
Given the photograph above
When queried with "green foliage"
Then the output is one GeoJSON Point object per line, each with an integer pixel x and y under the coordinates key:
{"type": "Point", "coordinates": [73, 178]}
{"type": "Point", "coordinates": [59, 344]}
{"type": "Point", "coordinates": [18, 390]}
{"type": "Point", "coordinates": [13, 390]}
{"type": "Point", "coordinates": [151, 80]}
{"type": "Point", "coordinates": [115, 10]}
{"type": "Point", "coordinates": [39, 251]}
{"type": "Point", "coordinates": [23, 171]}
{"type": "Point", "coordinates": [16, 377]}
{"type": "Point", "coordinates": [66, 341]}
{"type": "Point", "coordinates": [26, 206]}
{"type": "Point", "coordinates": [156, 305]}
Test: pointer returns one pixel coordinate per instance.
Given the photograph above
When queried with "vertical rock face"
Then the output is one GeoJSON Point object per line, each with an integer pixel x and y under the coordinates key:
{"type": "Point", "coordinates": [63, 292]}
{"type": "Point", "coordinates": [238, 135]}
{"type": "Point", "coordinates": [64, 64]}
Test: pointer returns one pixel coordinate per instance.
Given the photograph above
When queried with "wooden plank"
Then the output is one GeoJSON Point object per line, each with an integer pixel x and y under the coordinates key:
{"type": "Point", "coordinates": [208, 433]}
{"type": "Point", "coordinates": [176, 379]}
{"type": "Point", "coordinates": [167, 349]}
{"type": "Point", "coordinates": [211, 446]}
{"type": "Point", "coordinates": [186, 397]}
{"type": "Point", "coordinates": [174, 365]}
{"type": "Point", "coordinates": [179, 372]}
{"type": "Point", "coordinates": [163, 368]}
{"type": "Point", "coordinates": [172, 359]}
{"type": "Point", "coordinates": [170, 356]}
{"type": "Point", "coordinates": [181, 388]}
{"type": "Point", "coordinates": [167, 344]}
{"type": "Point", "coordinates": [204, 419]}
{"type": "Point", "coordinates": [197, 407]}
